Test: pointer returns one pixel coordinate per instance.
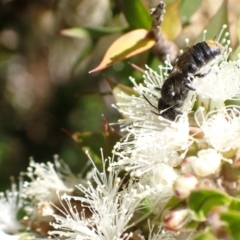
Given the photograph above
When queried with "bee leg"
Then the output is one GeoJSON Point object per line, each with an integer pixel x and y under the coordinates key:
{"type": "Point", "coordinates": [158, 114]}
{"type": "Point", "coordinates": [149, 102]}
{"type": "Point", "coordinates": [187, 84]}
{"type": "Point", "coordinates": [189, 87]}
{"type": "Point", "coordinates": [200, 75]}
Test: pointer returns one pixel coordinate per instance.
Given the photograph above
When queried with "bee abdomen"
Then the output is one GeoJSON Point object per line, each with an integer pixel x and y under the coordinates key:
{"type": "Point", "coordinates": [210, 49]}
{"type": "Point", "coordinates": [197, 59]}
{"type": "Point", "coordinates": [198, 56]}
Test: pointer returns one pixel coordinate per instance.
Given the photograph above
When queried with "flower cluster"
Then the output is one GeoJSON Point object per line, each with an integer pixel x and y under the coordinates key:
{"type": "Point", "coordinates": [156, 161]}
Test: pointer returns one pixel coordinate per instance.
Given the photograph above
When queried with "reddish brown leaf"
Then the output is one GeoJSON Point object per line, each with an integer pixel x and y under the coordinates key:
{"type": "Point", "coordinates": [128, 45]}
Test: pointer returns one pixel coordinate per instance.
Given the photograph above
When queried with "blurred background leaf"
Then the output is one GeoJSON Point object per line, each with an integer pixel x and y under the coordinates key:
{"type": "Point", "coordinates": [232, 219]}
{"type": "Point", "coordinates": [172, 17]}
{"type": "Point", "coordinates": [207, 235]}
{"type": "Point", "coordinates": [201, 202]}
{"type": "Point", "coordinates": [137, 14]}
{"type": "Point", "coordinates": [90, 32]}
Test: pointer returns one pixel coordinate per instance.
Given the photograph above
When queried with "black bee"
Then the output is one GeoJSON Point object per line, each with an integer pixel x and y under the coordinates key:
{"type": "Point", "coordinates": [173, 93]}
{"type": "Point", "coordinates": [168, 111]}
{"type": "Point", "coordinates": [196, 61]}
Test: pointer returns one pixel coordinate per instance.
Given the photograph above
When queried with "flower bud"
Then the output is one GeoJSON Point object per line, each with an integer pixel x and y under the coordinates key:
{"type": "Point", "coordinates": [207, 163]}
{"type": "Point", "coordinates": [186, 166]}
{"type": "Point", "coordinates": [175, 162]}
{"type": "Point", "coordinates": [184, 184]}
{"type": "Point", "coordinates": [175, 220]}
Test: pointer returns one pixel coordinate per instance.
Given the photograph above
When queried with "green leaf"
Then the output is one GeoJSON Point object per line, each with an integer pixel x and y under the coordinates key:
{"type": "Point", "coordinates": [188, 7]}
{"type": "Point", "coordinates": [84, 53]}
{"type": "Point", "coordinates": [230, 154]}
{"type": "Point", "coordinates": [233, 220]}
{"type": "Point", "coordinates": [137, 14]}
{"type": "Point", "coordinates": [205, 236]}
{"type": "Point", "coordinates": [193, 149]}
{"type": "Point", "coordinates": [146, 206]}
{"type": "Point", "coordinates": [235, 204]}
{"type": "Point", "coordinates": [173, 202]}
{"type": "Point", "coordinates": [90, 32]}
{"type": "Point", "coordinates": [126, 46]}
{"type": "Point", "coordinates": [119, 88]}
{"type": "Point", "coordinates": [91, 142]}
{"type": "Point", "coordinates": [202, 201]}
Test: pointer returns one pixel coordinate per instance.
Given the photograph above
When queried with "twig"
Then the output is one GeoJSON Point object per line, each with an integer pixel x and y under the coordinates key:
{"type": "Point", "coordinates": [157, 16]}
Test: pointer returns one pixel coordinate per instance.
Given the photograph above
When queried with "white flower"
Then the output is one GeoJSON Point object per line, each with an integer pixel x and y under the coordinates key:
{"type": "Point", "coordinates": [46, 179]}
{"type": "Point", "coordinates": [221, 83]}
{"type": "Point", "coordinates": [10, 203]}
{"type": "Point", "coordinates": [160, 234]}
{"type": "Point", "coordinates": [208, 162]}
{"type": "Point", "coordinates": [221, 128]}
{"type": "Point", "coordinates": [5, 236]}
{"type": "Point", "coordinates": [152, 156]}
{"type": "Point", "coordinates": [157, 185]}
{"type": "Point", "coordinates": [143, 149]}
{"type": "Point", "coordinates": [153, 146]}
{"type": "Point", "coordinates": [111, 209]}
